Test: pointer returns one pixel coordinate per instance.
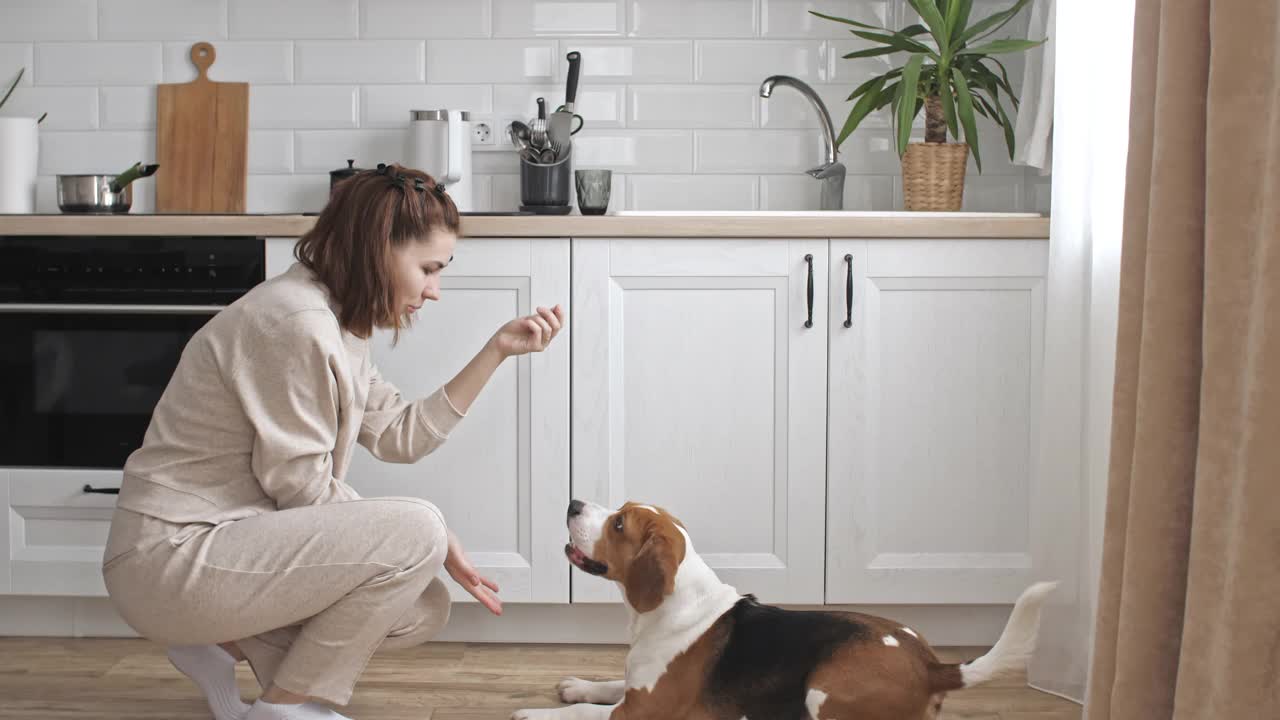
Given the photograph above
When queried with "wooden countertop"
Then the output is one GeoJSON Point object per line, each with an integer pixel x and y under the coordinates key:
{"type": "Point", "coordinates": [768, 224]}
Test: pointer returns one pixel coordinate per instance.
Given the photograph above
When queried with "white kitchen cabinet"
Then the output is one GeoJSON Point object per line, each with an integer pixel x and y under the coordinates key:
{"type": "Point", "coordinates": [502, 478]}
{"type": "Point", "coordinates": [933, 413]}
{"type": "Point", "coordinates": [52, 532]}
{"type": "Point", "coordinates": [697, 387]}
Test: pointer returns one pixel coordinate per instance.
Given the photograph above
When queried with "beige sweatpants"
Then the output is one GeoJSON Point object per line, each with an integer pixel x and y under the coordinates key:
{"type": "Point", "coordinates": [308, 594]}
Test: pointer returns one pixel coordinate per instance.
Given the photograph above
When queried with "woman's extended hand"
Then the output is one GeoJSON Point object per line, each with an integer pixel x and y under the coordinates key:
{"type": "Point", "coordinates": [531, 333]}
{"type": "Point", "coordinates": [465, 574]}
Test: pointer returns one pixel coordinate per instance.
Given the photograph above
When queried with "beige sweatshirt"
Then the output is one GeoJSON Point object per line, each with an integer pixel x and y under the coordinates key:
{"type": "Point", "coordinates": [265, 408]}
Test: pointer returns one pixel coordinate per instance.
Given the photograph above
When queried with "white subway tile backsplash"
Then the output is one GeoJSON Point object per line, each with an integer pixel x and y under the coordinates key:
{"type": "Point", "coordinates": [100, 63]}
{"type": "Point", "coordinates": [280, 19]}
{"type": "Point", "coordinates": [537, 18]}
{"type": "Point", "coordinates": [635, 61]}
{"type": "Point", "coordinates": [745, 61]}
{"type": "Point", "coordinates": [94, 151]}
{"type": "Point", "coordinates": [271, 152]}
{"type": "Point", "coordinates": [286, 193]}
{"type": "Point", "coordinates": [635, 151]}
{"type": "Point", "coordinates": [37, 20]}
{"type": "Point", "coordinates": [601, 106]}
{"type": "Point", "coordinates": [669, 92]}
{"type": "Point", "coordinates": [69, 108]}
{"type": "Point", "coordinates": [389, 105]}
{"type": "Point", "coordinates": [692, 192]}
{"type": "Point", "coordinates": [128, 108]}
{"type": "Point", "coordinates": [254, 62]}
{"type": "Point", "coordinates": [801, 192]}
{"type": "Point", "coordinates": [746, 151]}
{"type": "Point", "coordinates": [792, 19]}
{"type": "Point", "coordinates": [424, 19]}
{"type": "Point", "coordinates": [318, 151]}
{"type": "Point", "coordinates": [694, 18]}
{"type": "Point", "coordinates": [162, 19]}
{"type": "Point", "coordinates": [12, 57]}
{"type": "Point", "coordinates": [495, 61]}
{"type": "Point", "coordinates": [481, 192]}
{"type": "Point", "coordinates": [303, 106]}
{"type": "Point", "coordinates": [692, 106]}
{"type": "Point", "coordinates": [360, 61]}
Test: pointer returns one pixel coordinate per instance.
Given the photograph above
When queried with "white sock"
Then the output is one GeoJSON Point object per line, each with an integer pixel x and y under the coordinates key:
{"type": "Point", "coordinates": [263, 710]}
{"type": "Point", "coordinates": [214, 670]}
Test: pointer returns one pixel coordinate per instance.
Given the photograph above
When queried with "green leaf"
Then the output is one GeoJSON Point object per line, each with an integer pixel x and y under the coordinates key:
{"type": "Point", "coordinates": [914, 30]}
{"type": "Point", "coordinates": [896, 40]}
{"type": "Point", "coordinates": [991, 24]}
{"type": "Point", "coordinates": [1004, 82]}
{"type": "Point", "coordinates": [882, 79]}
{"type": "Point", "coordinates": [887, 96]}
{"type": "Point", "coordinates": [957, 19]}
{"type": "Point", "coordinates": [862, 108]}
{"type": "Point", "coordinates": [871, 52]}
{"type": "Point", "coordinates": [907, 100]}
{"type": "Point", "coordinates": [949, 109]}
{"type": "Point", "coordinates": [16, 80]}
{"type": "Point", "coordinates": [997, 114]}
{"type": "Point", "coordinates": [964, 103]}
{"type": "Point", "coordinates": [846, 21]}
{"type": "Point", "coordinates": [1001, 46]}
{"type": "Point", "coordinates": [929, 13]}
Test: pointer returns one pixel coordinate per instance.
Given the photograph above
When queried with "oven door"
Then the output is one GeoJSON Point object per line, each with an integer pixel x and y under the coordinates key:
{"type": "Point", "coordinates": [78, 383]}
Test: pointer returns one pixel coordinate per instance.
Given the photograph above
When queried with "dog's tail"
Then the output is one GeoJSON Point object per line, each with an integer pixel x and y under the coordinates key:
{"type": "Point", "coordinates": [1011, 652]}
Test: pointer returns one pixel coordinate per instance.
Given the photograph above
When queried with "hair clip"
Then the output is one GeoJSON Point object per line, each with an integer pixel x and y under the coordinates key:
{"type": "Point", "coordinates": [419, 185]}
{"type": "Point", "coordinates": [439, 189]}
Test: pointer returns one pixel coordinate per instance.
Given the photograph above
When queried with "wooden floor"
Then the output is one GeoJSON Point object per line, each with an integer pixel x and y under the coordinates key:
{"type": "Point", "coordinates": [104, 679]}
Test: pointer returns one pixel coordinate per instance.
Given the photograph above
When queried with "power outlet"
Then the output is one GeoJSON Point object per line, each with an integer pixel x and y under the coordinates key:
{"type": "Point", "coordinates": [481, 134]}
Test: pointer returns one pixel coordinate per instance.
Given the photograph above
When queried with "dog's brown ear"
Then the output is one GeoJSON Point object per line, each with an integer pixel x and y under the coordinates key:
{"type": "Point", "coordinates": [652, 574]}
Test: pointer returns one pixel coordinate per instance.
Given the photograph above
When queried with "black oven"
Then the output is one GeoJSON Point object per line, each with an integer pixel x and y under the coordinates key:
{"type": "Point", "coordinates": [91, 329]}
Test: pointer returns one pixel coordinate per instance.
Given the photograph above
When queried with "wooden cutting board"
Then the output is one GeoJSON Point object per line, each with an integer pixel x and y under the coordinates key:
{"type": "Point", "coordinates": [202, 142]}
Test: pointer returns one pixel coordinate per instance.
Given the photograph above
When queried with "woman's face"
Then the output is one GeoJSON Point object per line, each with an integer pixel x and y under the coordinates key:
{"type": "Point", "coordinates": [416, 269]}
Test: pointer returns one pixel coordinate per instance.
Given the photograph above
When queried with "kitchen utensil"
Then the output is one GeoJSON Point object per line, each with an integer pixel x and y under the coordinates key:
{"type": "Point", "coordinates": [520, 135]}
{"type": "Point", "coordinates": [337, 176]}
{"type": "Point", "coordinates": [100, 193]}
{"type": "Point", "coordinates": [594, 187]}
{"type": "Point", "coordinates": [559, 125]}
{"type": "Point", "coordinates": [538, 128]}
{"type": "Point", "coordinates": [440, 145]}
{"type": "Point", "coordinates": [577, 117]}
{"type": "Point", "coordinates": [202, 140]}
{"type": "Point", "coordinates": [545, 184]}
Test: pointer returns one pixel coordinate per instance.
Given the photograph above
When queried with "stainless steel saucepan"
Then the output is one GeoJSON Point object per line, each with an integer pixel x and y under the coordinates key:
{"type": "Point", "coordinates": [100, 193]}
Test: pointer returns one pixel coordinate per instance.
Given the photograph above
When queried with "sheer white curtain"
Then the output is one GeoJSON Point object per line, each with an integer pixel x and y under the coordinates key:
{"type": "Point", "coordinates": [1090, 73]}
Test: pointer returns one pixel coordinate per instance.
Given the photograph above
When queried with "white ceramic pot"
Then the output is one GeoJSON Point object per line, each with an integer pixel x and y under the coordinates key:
{"type": "Point", "coordinates": [19, 143]}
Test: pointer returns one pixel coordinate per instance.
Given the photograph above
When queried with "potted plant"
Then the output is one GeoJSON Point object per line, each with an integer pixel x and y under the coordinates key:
{"type": "Point", "coordinates": [18, 144]}
{"type": "Point", "coordinates": [951, 71]}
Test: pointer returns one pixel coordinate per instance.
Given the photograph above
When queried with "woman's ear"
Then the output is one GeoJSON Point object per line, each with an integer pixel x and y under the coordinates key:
{"type": "Point", "coordinates": [652, 574]}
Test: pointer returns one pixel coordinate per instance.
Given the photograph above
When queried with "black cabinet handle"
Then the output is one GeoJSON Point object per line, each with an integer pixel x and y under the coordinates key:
{"type": "Point", "coordinates": [809, 292]}
{"type": "Point", "coordinates": [848, 292]}
{"type": "Point", "coordinates": [105, 491]}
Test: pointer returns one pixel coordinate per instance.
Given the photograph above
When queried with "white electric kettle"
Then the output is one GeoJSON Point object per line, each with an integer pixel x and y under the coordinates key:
{"type": "Point", "coordinates": [440, 145]}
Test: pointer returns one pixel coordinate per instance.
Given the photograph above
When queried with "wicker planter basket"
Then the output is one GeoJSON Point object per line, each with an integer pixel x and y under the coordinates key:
{"type": "Point", "coordinates": [933, 176]}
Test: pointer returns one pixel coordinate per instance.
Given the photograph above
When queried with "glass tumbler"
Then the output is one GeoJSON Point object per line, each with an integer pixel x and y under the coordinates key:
{"type": "Point", "coordinates": [593, 190]}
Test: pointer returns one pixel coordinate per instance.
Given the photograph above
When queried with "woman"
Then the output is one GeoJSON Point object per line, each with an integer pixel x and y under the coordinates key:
{"type": "Point", "coordinates": [236, 535]}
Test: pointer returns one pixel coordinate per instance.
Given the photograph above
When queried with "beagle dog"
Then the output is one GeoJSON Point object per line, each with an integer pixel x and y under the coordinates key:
{"type": "Point", "coordinates": [702, 651]}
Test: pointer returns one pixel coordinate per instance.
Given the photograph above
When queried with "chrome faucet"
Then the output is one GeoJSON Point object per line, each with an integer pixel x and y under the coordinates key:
{"type": "Point", "coordinates": [830, 172]}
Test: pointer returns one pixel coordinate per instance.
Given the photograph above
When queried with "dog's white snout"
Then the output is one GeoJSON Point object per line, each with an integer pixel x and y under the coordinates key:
{"type": "Point", "coordinates": [586, 524]}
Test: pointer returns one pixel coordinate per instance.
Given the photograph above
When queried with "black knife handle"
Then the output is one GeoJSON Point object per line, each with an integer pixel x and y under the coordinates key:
{"type": "Point", "coordinates": [571, 85]}
{"type": "Point", "coordinates": [809, 291]}
{"type": "Point", "coordinates": [848, 292]}
{"type": "Point", "coordinates": [542, 108]}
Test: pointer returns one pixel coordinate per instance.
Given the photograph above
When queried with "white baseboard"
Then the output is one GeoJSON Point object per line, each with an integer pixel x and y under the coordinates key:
{"type": "Point", "coordinates": [942, 625]}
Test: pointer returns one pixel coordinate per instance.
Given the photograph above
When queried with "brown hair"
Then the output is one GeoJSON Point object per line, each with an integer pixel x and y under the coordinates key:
{"type": "Point", "coordinates": [350, 247]}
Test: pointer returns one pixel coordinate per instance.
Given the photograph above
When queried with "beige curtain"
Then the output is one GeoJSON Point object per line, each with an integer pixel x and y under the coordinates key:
{"type": "Point", "coordinates": [1188, 622]}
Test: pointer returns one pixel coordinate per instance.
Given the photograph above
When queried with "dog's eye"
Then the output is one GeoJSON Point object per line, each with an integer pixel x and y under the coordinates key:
{"type": "Point", "coordinates": [617, 524]}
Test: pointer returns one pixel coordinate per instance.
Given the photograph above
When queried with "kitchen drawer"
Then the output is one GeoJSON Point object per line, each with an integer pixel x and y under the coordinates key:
{"type": "Point", "coordinates": [52, 532]}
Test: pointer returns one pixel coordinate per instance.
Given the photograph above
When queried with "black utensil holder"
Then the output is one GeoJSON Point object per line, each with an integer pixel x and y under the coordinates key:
{"type": "Point", "coordinates": [546, 185]}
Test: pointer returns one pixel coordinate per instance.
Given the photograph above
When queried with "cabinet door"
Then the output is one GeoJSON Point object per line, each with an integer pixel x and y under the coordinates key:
{"type": "Point", "coordinates": [53, 532]}
{"type": "Point", "coordinates": [934, 405]}
{"type": "Point", "coordinates": [698, 387]}
{"type": "Point", "coordinates": [502, 478]}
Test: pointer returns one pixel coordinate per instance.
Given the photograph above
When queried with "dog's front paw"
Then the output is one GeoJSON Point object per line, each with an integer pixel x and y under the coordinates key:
{"type": "Point", "coordinates": [575, 690]}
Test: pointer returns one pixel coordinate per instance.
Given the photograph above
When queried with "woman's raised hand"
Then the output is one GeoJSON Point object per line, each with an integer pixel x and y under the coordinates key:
{"type": "Point", "coordinates": [531, 333]}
